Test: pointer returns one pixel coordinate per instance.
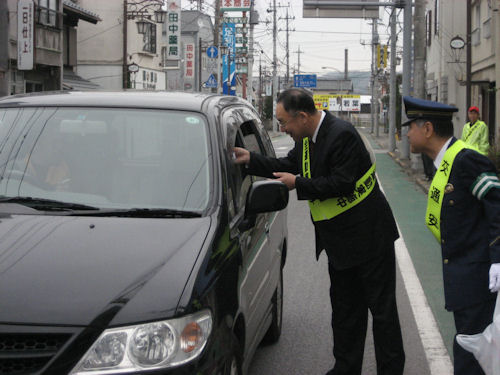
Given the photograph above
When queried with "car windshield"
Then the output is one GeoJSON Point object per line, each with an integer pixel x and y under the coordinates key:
{"type": "Point", "coordinates": [107, 158]}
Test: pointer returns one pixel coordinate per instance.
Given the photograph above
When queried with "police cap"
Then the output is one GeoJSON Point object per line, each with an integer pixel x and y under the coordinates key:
{"type": "Point", "coordinates": [416, 108]}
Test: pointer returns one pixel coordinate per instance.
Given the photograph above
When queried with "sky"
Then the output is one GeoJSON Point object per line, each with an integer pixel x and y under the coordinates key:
{"type": "Point", "coordinates": [321, 40]}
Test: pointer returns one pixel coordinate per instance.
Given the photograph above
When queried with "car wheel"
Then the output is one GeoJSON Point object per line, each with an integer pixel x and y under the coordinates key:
{"type": "Point", "coordinates": [233, 367]}
{"type": "Point", "coordinates": [274, 332]}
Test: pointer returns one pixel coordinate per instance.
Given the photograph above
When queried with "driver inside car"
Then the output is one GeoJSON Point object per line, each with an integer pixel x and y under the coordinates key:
{"type": "Point", "coordinates": [46, 163]}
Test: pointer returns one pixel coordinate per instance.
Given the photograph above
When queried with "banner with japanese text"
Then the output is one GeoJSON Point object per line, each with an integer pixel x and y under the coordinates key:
{"type": "Point", "coordinates": [25, 46]}
{"type": "Point", "coordinates": [173, 29]}
{"type": "Point", "coordinates": [235, 5]}
{"type": "Point", "coordinates": [189, 57]}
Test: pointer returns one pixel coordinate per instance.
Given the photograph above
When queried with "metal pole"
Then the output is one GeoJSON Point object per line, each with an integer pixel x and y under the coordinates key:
{"type": "Point", "coordinates": [4, 49]}
{"type": "Point", "coordinates": [125, 53]}
{"type": "Point", "coordinates": [287, 49]}
{"type": "Point", "coordinates": [405, 146]}
{"type": "Point", "coordinates": [392, 98]}
{"type": "Point", "coordinates": [372, 78]}
{"type": "Point", "coordinates": [250, 91]}
{"type": "Point", "coordinates": [375, 83]}
{"type": "Point", "coordinates": [346, 60]}
{"type": "Point", "coordinates": [275, 63]}
{"type": "Point", "coordinates": [219, 68]}
{"type": "Point", "coordinates": [468, 64]}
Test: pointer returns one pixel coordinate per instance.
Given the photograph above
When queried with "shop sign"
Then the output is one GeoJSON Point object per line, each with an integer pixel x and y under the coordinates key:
{"type": "Point", "coordinates": [25, 46]}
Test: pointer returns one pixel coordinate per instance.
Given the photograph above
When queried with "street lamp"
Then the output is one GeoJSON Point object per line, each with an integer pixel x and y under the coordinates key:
{"type": "Point", "coordinates": [145, 11]}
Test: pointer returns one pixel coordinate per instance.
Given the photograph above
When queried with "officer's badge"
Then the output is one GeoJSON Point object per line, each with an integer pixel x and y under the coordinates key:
{"type": "Point", "coordinates": [449, 188]}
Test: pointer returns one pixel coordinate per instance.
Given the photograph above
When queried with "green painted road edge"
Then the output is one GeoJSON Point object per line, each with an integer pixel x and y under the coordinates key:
{"type": "Point", "coordinates": [408, 203]}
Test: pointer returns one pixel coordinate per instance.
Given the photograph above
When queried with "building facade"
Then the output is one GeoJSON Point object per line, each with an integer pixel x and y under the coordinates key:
{"type": "Point", "coordinates": [485, 67]}
{"type": "Point", "coordinates": [43, 34]}
{"type": "Point", "coordinates": [114, 54]}
{"type": "Point", "coordinates": [446, 65]}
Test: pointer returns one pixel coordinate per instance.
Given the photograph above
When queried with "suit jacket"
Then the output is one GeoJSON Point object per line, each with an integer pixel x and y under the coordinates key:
{"type": "Point", "coordinates": [338, 159]}
{"type": "Point", "coordinates": [470, 230]}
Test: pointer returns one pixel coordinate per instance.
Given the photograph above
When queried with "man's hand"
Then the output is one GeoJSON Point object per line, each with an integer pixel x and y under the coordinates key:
{"type": "Point", "coordinates": [495, 277]}
{"type": "Point", "coordinates": [287, 178]}
{"type": "Point", "coordinates": [241, 156]}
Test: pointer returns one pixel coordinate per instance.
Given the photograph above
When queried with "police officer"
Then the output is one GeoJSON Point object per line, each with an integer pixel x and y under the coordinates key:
{"type": "Point", "coordinates": [463, 213]}
{"type": "Point", "coordinates": [331, 168]}
{"type": "Point", "coordinates": [475, 132]}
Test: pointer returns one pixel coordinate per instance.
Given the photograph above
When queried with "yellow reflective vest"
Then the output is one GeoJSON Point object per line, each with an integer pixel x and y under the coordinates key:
{"type": "Point", "coordinates": [329, 208]}
{"type": "Point", "coordinates": [476, 135]}
{"type": "Point", "coordinates": [437, 189]}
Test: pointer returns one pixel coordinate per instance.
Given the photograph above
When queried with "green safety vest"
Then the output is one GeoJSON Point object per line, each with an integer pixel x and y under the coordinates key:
{"type": "Point", "coordinates": [329, 208]}
{"type": "Point", "coordinates": [437, 189]}
{"type": "Point", "coordinates": [477, 136]}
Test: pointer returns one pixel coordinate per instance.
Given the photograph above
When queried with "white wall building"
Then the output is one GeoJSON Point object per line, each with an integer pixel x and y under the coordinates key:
{"type": "Point", "coordinates": [107, 50]}
{"type": "Point", "coordinates": [485, 39]}
{"type": "Point", "coordinates": [446, 66]}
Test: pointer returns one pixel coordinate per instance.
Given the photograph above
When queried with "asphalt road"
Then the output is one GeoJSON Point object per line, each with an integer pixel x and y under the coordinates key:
{"type": "Point", "coordinates": [306, 342]}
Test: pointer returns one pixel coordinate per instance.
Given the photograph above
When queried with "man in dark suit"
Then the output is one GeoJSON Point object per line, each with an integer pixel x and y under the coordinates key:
{"type": "Point", "coordinates": [331, 168]}
{"type": "Point", "coordinates": [463, 213]}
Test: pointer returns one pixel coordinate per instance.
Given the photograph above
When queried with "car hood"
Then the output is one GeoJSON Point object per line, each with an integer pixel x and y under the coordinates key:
{"type": "Point", "coordinates": [101, 271]}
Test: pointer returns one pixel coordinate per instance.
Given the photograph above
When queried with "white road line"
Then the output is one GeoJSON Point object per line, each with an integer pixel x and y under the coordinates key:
{"type": "Point", "coordinates": [437, 356]}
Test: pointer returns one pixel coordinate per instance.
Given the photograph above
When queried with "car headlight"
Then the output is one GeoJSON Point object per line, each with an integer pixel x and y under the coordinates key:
{"type": "Point", "coordinates": [149, 346]}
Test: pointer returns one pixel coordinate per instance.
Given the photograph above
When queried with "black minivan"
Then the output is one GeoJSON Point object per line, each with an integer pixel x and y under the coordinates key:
{"type": "Point", "coordinates": [130, 242]}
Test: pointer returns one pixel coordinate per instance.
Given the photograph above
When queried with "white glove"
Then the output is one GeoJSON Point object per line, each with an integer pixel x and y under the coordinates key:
{"type": "Point", "coordinates": [495, 277]}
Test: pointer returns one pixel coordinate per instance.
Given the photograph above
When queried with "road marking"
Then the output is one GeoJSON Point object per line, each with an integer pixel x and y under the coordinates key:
{"type": "Point", "coordinates": [435, 351]}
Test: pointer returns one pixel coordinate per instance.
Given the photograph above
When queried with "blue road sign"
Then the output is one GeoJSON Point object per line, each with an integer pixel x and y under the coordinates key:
{"type": "Point", "coordinates": [304, 80]}
{"type": "Point", "coordinates": [211, 82]}
{"type": "Point", "coordinates": [212, 52]}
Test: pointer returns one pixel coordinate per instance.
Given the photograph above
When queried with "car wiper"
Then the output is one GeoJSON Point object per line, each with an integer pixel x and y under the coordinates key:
{"type": "Point", "coordinates": [47, 204]}
{"type": "Point", "coordinates": [142, 212]}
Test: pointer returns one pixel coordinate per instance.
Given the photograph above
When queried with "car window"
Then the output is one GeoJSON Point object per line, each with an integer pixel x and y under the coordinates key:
{"type": "Point", "coordinates": [106, 157]}
{"type": "Point", "coordinates": [240, 181]}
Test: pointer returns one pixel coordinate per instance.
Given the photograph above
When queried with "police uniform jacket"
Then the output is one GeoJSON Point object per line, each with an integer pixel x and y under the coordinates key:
{"type": "Point", "coordinates": [470, 229]}
{"type": "Point", "coordinates": [338, 159]}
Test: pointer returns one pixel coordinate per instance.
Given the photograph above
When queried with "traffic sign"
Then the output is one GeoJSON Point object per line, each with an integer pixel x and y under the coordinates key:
{"type": "Point", "coordinates": [304, 80]}
{"type": "Point", "coordinates": [211, 82]}
{"type": "Point", "coordinates": [212, 52]}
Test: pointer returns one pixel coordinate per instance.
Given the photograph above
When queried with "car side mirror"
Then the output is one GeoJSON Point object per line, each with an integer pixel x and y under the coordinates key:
{"type": "Point", "coordinates": [263, 196]}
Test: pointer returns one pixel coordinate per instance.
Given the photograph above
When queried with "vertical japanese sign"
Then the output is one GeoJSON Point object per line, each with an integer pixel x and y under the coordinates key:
{"type": "Point", "coordinates": [189, 61]}
{"type": "Point", "coordinates": [173, 29]}
{"type": "Point", "coordinates": [229, 41]}
{"type": "Point", "coordinates": [235, 5]}
{"type": "Point", "coordinates": [25, 45]}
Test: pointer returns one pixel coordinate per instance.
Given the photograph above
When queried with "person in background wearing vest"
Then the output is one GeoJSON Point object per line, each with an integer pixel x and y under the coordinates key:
{"type": "Point", "coordinates": [463, 213]}
{"type": "Point", "coordinates": [475, 132]}
{"type": "Point", "coordinates": [330, 167]}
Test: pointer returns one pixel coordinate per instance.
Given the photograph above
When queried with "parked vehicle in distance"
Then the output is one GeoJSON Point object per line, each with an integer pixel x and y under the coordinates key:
{"type": "Point", "coordinates": [130, 242]}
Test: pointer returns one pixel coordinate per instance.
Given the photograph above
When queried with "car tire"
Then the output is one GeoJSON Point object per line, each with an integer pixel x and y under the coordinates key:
{"type": "Point", "coordinates": [274, 332]}
{"type": "Point", "coordinates": [233, 367]}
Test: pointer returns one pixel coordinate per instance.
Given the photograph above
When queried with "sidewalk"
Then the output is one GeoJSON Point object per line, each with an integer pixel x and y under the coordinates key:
{"type": "Point", "coordinates": [406, 190]}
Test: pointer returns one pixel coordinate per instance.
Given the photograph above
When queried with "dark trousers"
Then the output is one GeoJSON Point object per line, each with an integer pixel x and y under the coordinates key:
{"type": "Point", "coordinates": [371, 285]}
{"type": "Point", "coordinates": [470, 321]}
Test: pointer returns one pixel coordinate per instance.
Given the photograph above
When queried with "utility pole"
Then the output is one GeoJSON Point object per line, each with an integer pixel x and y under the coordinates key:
{"type": "Point", "coordinates": [218, 45]}
{"type": "Point", "coordinates": [287, 79]}
{"type": "Point", "coordinates": [392, 97]}
{"type": "Point", "coordinates": [253, 22]}
{"type": "Point", "coordinates": [298, 52]}
{"type": "Point", "coordinates": [419, 51]}
{"type": "Point", "coordinates": [275, 65]}
{"type": "Point", "coordinates": [346, 60]}
{"type": "Point", "coordinates": [405, 146]}
{"type": "Point", "coordinates": [374, 69]}
{"type": "Point", "coordinates": [375, 81]}
{"type": "Point", "coordinates": [468, 64]}
{"type": "Point", "coordinates": [4, 49]}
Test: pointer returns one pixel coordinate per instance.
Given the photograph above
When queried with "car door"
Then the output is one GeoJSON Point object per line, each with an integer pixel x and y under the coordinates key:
{"type": "Point", "coordinates": [254, 292]}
